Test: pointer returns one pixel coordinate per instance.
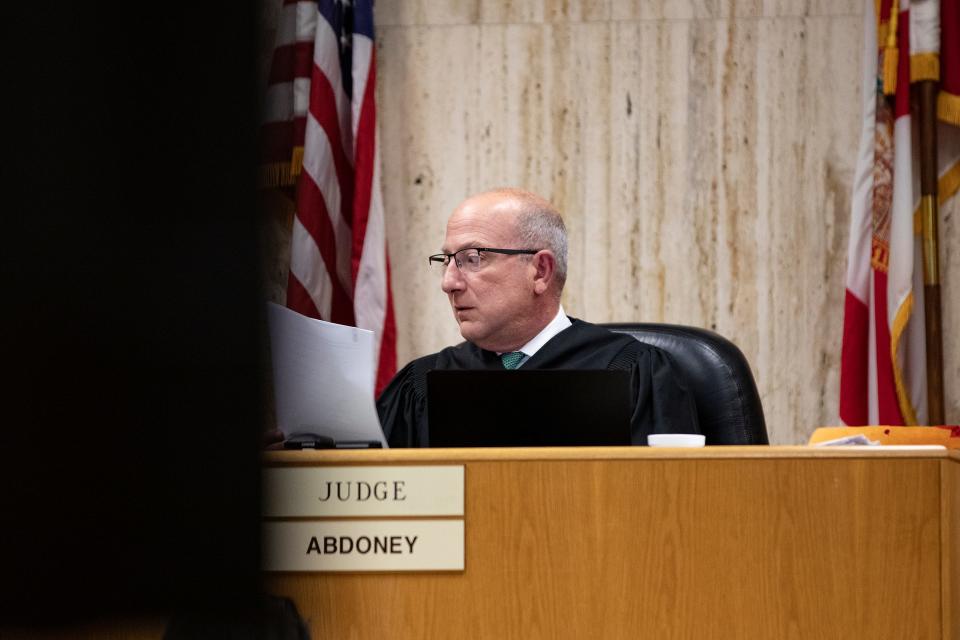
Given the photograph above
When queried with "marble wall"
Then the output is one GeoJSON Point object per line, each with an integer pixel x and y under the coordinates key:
{"type": "Point", "coordinates": [702, 152]}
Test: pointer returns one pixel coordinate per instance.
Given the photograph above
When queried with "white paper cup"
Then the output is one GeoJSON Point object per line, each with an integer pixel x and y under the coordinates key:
{"type": "Point", "coordinates": [675, 440]}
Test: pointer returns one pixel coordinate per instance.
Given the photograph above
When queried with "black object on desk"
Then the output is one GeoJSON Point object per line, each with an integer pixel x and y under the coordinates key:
{"type": "Point", "coordinates": [529, 408]}
{"type": "Point", "coordinates": [312, 440]}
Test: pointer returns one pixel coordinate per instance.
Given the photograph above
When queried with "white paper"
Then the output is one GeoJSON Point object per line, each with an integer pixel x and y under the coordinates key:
{"type": "Point", "coordinates": [857, 439]}
{"type": "Point", "coordinates": [323, 377]}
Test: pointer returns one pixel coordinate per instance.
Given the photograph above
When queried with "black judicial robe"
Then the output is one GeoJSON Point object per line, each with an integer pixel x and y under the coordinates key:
{"type": "Point", "coordinates": [661, 401]}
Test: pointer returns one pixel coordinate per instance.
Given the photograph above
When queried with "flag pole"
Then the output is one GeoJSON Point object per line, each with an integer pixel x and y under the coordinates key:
{"type": "Point", "coordinates": [927, 90]}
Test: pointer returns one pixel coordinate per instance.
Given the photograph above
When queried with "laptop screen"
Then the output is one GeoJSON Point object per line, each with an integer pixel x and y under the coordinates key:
{"type": "Point", "coordinates": [528, 408]}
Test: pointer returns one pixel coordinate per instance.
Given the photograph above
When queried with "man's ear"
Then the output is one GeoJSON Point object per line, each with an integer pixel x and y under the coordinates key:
{"type": "Point", "coordinates": [545, 268]}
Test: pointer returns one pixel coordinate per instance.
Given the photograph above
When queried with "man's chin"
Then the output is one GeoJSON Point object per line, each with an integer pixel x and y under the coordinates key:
{"type": "Point", "coordinates": [467, 330]}
{"type": "Point", "coordinates": [471, 332]}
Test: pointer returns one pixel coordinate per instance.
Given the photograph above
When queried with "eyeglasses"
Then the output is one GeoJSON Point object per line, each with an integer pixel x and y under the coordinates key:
{"type": "Point", "coordinates": [471, 259]}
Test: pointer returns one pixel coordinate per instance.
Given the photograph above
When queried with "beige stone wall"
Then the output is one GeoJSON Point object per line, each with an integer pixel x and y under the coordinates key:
{"type": "Point", "coordinates": [701, 151]}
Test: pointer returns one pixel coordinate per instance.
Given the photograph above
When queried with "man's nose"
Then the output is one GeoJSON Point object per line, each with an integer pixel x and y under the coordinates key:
{"type": "Point", "coordinates": [452, 278]}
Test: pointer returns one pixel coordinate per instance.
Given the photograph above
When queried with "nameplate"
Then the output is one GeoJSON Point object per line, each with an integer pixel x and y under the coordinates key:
{"type": "Point", "coordinates": [364, 545]}
{"type": "Point", "coordinates": [363, 491]}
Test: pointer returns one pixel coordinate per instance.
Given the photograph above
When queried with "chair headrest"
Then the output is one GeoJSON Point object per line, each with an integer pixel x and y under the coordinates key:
{"type": "Point", "coordinates": [717, 374]}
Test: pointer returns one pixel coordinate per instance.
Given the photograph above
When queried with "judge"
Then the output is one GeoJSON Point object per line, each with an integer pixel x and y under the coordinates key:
{"type": "Point", "coordinates": [503, 266]}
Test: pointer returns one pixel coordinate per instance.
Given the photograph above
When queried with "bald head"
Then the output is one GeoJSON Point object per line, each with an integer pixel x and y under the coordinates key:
{"type": "Point", "coordinates": [533, 222]}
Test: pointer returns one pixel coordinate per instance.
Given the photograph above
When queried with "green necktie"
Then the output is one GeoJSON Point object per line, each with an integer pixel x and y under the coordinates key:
{"type": "Point", "coordinates": [511, 360]}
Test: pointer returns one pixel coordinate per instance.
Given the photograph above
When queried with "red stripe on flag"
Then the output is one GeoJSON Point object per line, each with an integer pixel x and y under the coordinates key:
{"type": "Point", "coordinates": [299, 299]}
{"type": "Point", "coordinates": [901, 105]}
{"type": "Point", "coordinates": [365, 157]}
{"type": "Point", "coordinates": [887, 403]}
{"type": "Point", "coordinates": [886, 8]}
{"type": "Point", "coordinates": [853, 362]}
{"type": "Point", "coordinates": [313, 215]}
{"type": "Point", "coordinates": [291, 61]}
{"type": "Point", "coordinates": [299, 130]}
{"type": "Point", "coordinates": [388, 343]}
{"type": "Point", "coordinates": [323, 107]}
{"type": "Point", "coordinates": [950, 46]}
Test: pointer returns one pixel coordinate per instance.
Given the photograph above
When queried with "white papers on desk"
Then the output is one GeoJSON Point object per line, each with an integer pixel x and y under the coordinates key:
{"type": "Point", "coordinates": [323, 375]}
{"type": "Point", "coordinates": [854, 440]}
{"type": "Point", "coordinates": [862, 440]}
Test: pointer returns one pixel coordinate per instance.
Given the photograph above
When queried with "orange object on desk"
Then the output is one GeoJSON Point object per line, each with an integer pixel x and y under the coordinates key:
{"type": "Point", "coordinates": [948, 435]}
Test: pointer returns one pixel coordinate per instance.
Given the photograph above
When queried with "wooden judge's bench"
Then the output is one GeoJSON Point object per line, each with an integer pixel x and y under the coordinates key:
{"type": "Point", "coordinates": [718, 542]}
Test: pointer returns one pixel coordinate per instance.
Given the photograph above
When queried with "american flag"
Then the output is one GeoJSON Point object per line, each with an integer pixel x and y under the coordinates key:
{"type": "Point", "coordinates": [320, 137]}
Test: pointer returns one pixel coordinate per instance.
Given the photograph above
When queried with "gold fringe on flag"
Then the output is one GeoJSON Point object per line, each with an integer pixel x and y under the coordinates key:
{"type": "Point", "coordinates": [896, 331]}
{"type": "Point", "coordinates": [948, 108]}
{"type": "Point", "coordinates": [282, 174]}
{"type": "Point", "coordinates": [924, 66]}
{"type": "Point", "coordinates": [891, 55]}
{"type": "Point", "coordinates": [948, 184]}
{"type": "Point", "coordinates": [296, 163]}
{"type": "Point", "coordinates": [274, 175]}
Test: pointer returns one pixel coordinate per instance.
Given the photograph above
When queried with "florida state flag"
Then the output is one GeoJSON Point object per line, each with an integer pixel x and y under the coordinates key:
{"type": "Point", "coordinates": [883, 367]}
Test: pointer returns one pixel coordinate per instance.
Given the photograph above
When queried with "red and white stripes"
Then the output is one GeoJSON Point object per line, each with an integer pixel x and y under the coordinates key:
{"type": "Point", "coordinates": [323, 124]}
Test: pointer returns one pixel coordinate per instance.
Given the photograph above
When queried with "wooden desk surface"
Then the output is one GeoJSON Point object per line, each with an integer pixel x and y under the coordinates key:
{"type": "Point", "coordinates": [459, 456]}
{"type": "Point", "coordinates": [719, 542]}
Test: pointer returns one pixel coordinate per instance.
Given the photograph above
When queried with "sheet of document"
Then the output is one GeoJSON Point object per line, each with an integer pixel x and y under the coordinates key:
{"type": "Point", "coordinates": [323, 377]}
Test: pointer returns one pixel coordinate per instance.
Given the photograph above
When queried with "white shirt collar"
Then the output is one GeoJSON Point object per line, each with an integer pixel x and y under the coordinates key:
{"type": "Point", "coordinates": [555, 326]}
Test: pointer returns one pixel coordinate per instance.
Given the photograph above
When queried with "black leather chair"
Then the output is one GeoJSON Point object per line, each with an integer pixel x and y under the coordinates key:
{"type": "Point", "coordinates": [717, 373]}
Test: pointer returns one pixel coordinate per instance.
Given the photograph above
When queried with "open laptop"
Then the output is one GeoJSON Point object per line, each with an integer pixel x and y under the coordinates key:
{"type": "Point", "coordinates": [528, 408]}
